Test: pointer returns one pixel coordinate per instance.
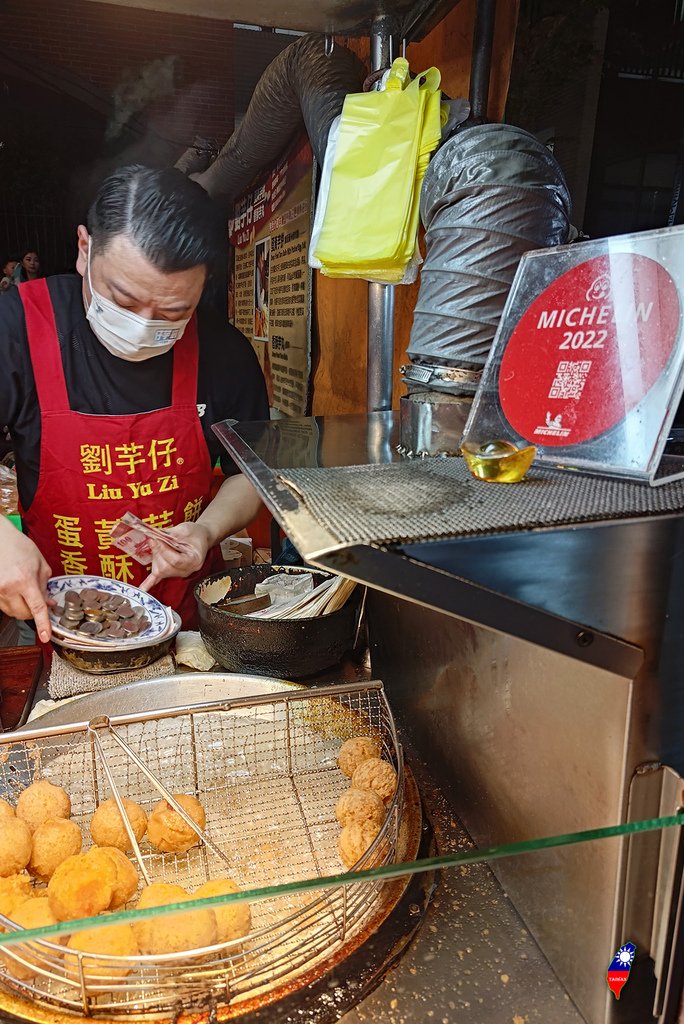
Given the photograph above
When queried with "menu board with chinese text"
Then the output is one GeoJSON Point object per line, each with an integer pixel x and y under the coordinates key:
{"type": "Point", "coordinates": [269, 296]}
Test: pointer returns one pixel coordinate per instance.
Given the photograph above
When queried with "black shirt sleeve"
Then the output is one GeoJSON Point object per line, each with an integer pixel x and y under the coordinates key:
{"type": "Point", "coordinates": [231, 378]}
{"type": "Point", "coordinates": [12, 355]}
{"type": "Point", "coordinates": [18, 398]}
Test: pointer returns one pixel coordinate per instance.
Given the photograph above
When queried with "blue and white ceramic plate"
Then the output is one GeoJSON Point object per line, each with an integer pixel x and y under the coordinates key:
{"type": "Point", "coordinates": [156, 612]}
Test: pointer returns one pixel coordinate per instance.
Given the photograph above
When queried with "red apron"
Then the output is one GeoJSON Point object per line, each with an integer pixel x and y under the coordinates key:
{"type": "Point", "coordinates": [95, 468]}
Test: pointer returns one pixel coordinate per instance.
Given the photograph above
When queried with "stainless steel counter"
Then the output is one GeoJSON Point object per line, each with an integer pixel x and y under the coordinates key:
{"type": "Point", "coordinates": [474, 961]}
{"type": "Point", "coordinates": [530, 641]}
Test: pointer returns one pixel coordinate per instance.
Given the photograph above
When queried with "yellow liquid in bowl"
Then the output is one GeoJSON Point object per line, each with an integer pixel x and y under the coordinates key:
{"type": "Point", "coordinates": [498, 462]}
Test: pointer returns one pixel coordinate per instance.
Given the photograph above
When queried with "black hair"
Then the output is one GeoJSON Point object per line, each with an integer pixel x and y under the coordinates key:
{"type": "Point", "coordinates": [25, 250]}
{"type": "Point", "coordinates": [170, 218]}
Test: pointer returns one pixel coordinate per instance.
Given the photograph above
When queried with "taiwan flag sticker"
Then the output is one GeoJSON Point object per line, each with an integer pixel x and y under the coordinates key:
{"type": "Point", "coordinates": [620, 966]}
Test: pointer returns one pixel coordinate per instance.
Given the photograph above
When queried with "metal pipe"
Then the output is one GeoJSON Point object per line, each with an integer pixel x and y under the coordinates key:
{"type": "Point", "coordinates": [380, 346]}
{"type": "Point", "coordinates": [481, 63]}
{"type": "Point", "coordinates": [383, 41]}
{"type": "Point", "coordinates": [381, 297]}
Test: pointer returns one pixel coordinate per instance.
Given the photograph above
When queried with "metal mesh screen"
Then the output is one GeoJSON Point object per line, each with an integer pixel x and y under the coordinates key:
{"type": "Point", "coordinates": [425, 500]}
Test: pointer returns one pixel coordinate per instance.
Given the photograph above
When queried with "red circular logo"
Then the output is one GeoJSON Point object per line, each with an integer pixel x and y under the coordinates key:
{"type": "Point", "coordinates": [588, 349]}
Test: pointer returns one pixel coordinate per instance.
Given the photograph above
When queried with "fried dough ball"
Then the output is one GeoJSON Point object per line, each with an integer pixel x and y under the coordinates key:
{"type": "Point", "coordinates": [14, 890]}
{"type": "Point", "coordinates": [168, 832]}
{"type": "Point", "coordinates": [41, 801]}
{"type": "Point", "coordinates": [6, 809]}
{"type": "Point", "coordinates": [357, 805]}
{"type": "Point", "coordinates": [33, 913]}
{"type": "Point", "coordinates": [232, 921]}
{"type": "Point", "coordinates": [354, 841]}
{"type": "Point", "coordinates": [107, 826]}
{"type": "Point", "coordinates": [53, 842]}
{"type": "Point", "coordinates": [15, 846]}
{"type": "Point", "coordinates": [126, 876]}
{"type": "Point", "coordinates": [378, 776]}
{"type": "Point", "coordinates": [82, 886]}
{"type": "Point", "coordinates": [173, 933]}
{"type": "Point", "coordinates": [354, 752]}
{"type": "Point", "coordinates": [110, 940]}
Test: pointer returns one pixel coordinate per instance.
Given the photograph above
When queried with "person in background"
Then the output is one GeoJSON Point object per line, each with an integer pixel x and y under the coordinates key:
{"type": "Point", "coordinates": [7, 271]}
{"type": "Point", "coordinates": [111, 380]}
{"type": "Point", "coordinates": [28, 267]}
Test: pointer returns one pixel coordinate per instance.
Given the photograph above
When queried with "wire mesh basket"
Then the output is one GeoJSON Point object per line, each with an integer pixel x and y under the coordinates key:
{"type": "Point", "coordinates": [265, 771]}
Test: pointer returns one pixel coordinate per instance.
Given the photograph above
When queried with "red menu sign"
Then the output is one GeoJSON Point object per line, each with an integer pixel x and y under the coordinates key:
{"type": "Point", "coordinates": [256, 209]}
{"type": "Point", "coordinates": [589, 348]}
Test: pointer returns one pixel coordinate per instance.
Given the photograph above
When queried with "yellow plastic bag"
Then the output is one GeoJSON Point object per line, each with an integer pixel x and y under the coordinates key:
{"type": "Point", "coordinates": [383, 148]}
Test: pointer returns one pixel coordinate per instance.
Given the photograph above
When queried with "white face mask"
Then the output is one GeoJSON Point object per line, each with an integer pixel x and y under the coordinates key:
{"type": "Point", "coordinates": [126, 334]}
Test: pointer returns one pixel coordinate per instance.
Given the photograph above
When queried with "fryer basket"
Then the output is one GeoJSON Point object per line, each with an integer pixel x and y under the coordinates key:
{"type": "Point", "coordinates": [264, 768]}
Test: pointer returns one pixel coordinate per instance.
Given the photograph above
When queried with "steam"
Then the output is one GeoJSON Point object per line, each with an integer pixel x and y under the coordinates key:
{"type": "Point", "coordinates": [139, 87]}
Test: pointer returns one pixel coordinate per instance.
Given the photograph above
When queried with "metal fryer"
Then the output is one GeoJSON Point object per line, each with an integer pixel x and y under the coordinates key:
{"type": "Point", "coordinates": [264, 768]}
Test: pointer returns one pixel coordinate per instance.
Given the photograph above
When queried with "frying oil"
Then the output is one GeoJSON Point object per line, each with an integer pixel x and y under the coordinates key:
{"type": "Point", "coordinates": [498, 461]}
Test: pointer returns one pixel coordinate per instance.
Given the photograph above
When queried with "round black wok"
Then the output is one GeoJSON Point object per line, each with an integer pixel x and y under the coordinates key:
{"type": "Point", "coordinates": [286, 648]}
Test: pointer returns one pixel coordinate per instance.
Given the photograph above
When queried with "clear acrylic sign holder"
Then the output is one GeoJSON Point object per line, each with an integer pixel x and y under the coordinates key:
{"type": "Point", "coordinates": [588, 360]}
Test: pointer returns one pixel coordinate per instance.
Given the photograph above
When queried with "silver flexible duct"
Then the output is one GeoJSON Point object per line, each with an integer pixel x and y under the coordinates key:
{"type": "Point", "coordinates": [302, 85]}
{"type": "Point", "coordinates": [491, 193]}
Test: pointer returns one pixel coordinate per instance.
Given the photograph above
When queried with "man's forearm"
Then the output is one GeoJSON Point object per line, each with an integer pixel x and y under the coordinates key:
{"type": "Point", "coordinates": [235, 505]}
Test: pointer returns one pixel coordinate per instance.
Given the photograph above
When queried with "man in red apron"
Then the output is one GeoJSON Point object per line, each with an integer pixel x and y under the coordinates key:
{"type": "Point", "coordinates": [111, 382]}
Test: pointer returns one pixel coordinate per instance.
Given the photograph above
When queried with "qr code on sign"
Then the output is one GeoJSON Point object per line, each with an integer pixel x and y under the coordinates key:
{"type": "Point", "coordinates": [570, 379]}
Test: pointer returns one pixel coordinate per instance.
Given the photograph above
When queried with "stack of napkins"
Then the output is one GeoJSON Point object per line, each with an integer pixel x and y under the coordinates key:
{"type": "Point", "coordinates": [295, 597]}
